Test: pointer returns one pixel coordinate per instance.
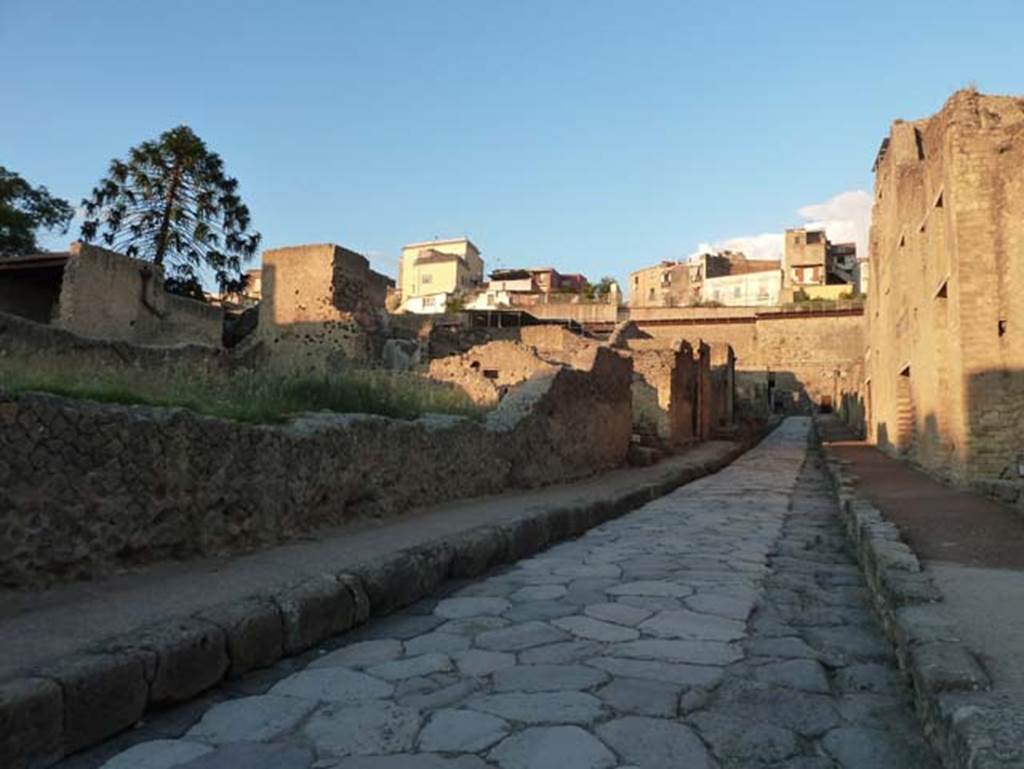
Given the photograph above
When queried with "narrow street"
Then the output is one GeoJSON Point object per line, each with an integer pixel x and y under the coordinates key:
{"type": "Point", "coordinates": [724, 625]}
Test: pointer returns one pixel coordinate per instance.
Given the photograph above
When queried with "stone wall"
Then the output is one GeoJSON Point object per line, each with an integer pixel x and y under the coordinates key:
{"type": "Point", "coordinates": [805, 358]}
{"type": "Point", "coordinates": [322, 309]}
{"type": "Point", "coordinates": [722, 362]}
{"type": "Point", "coordinates": [87, 488]}
{"type": "Point", "coordinates": [35, 344]}
{"type": "Point", "coordinates": [486, 372]}
{"type": "Point", "coordinates": [554, 339]}
{"type": "Point", "coordinates": [664, 390]}
{"type": "Point", "coordinates": [106, 295]}
{"type": "Point", "coordinates": [946, 363]}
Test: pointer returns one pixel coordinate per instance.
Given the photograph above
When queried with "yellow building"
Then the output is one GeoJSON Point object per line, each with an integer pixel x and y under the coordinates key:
{"type": "Point", "coordinates": [431, 272]}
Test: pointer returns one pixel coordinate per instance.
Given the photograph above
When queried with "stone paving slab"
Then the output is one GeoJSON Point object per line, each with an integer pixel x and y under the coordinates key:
{"type": "Point", "coordinates": [82, 662]}
{"type": "Point", "coordinates": [757, 689]}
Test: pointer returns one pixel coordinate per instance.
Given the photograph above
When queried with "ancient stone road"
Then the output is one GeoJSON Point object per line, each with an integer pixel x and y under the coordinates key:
{"type": "Point", "coordinates": [724, 625]}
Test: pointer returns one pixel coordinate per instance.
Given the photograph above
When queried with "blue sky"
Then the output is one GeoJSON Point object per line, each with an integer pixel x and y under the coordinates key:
{"type": "Point", "coordinates": [593, 136]}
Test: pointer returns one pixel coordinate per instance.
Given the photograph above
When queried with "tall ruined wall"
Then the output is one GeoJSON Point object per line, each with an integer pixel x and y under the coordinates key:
{"type": "Point", "coordinates": [723, 381]}
{"type": "Point", "coordinates": [106, 295]}
{"type": "Point", "coordinates": [664, 389]}
{"type": "Point", "coordinates": [946, 362]}
{"type": "Point", "coordinates": [322, 308]}
{"type": "Point", "coordinates": [811, 356]}
{"type": "Point", "coordinates": [88, 488]}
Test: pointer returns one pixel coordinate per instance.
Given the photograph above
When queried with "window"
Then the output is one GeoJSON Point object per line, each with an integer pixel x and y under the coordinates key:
{"type": "Point", "coordinates": [736, 292]}
{"type": "Point", "coordinates": [425, 279]}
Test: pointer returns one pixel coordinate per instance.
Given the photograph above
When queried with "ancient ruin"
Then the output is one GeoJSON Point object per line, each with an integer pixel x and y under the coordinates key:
{"type": "Point", "coordinates": [100, 294]}
{"type": "Point", "coordinates": [943, 381]}
{"type": "Point", "coordinates": [640, 582]}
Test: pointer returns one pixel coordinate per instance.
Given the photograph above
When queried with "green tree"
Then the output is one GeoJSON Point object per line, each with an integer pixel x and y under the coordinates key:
{"type": "Point", "coordinates": [25, 209]}
{"type": "Point", "coordinates": [171, 203]}
{"type": "Point", "coordinates": [603, 286]}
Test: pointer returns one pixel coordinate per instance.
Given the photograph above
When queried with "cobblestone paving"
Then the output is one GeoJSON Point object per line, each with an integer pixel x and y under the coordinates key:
{"type": "Point", "coordinates": [724, 625]}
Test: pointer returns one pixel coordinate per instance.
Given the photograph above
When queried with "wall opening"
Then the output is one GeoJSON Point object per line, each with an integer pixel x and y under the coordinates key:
{"type": "Point", "coordinates": [1002, 327]}
{"type": "Point", "coordinates": [31, 289]}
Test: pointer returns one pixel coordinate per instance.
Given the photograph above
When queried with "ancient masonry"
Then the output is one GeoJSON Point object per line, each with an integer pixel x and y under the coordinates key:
{"type": "Point", "coordinates": [322, 306]}
{"type": "Point", "coordinates": [784, 360]}
{"type": "Point", "coordinates": [945, 361]}
{"type": "Point", "coordinates": [90, 488]}
{"type": "Point", "coordinates": [100, 294]}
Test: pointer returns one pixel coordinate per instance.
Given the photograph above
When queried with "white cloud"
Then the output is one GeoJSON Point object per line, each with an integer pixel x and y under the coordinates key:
{"type": "Point", "coordinates": [844, 217]}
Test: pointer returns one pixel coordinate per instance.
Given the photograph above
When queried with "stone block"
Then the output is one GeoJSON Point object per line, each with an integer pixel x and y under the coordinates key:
{"type": "Point", "coordinates": [945, 667]}
{"type": "Point", "coordinates": [102, 694]}
{"type": "Point", "coordinates": [314, 610]}
{"type": "Point", "coordinates": [181, 657]}
{"type": "Point", "coordinates": [525, 537]}
{"type": "Point", "coordinates": [31, 723]}
{"type": "Point", "coordinates": [909, 588]}
{"type": "Point", "coordinates": [477, 551]}
{"type": "Point", "coordinates": [254, 631]}
{"type": "Point", "coordinates": [359, 596]}
{"type": "Point", "coordinates": [406, 578]}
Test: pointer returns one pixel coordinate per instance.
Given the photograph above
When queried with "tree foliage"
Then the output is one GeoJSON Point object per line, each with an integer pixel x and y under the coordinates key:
{"type": "Point", "coordinates": [24, 209]}
{"type": "Point", "coordinates": [603, 286]}
{"type": "Point", "coordinates": [171, 203]}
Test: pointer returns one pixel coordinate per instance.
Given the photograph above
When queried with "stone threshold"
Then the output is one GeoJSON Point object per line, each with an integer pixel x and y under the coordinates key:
{"type": "Point", "coordinates": [96, 687]}
{"type": "Point", "coordinates": [964, 721]}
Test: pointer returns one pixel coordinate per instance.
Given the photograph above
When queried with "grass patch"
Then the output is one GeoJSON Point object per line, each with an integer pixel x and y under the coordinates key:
{"type": "Point", "coordinates": [247, 396]}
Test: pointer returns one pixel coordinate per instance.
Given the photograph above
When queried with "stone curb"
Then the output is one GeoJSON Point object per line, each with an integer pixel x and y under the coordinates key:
{"type": "Point", "coordinates": [952, 691]}
{"type": "Point", "coordinates": [88, 697]}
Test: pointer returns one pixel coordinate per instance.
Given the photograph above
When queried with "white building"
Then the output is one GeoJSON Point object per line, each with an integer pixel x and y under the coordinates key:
{"type": "Point", "coordinates": [749, 289]}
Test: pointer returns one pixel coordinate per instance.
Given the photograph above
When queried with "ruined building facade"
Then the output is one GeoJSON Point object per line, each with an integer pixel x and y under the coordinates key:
{"type": "Point", "coordinates": [945, 357]}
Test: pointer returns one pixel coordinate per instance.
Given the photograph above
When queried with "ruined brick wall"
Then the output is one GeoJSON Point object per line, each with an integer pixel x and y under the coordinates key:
{"type": "Point", "coordinates": [814, 357]}
{"type": "Point", "coordinates": [664, 389]}
{"type": "Point", "coordinates": [946, 361]}
{"type": "Point", "coordinates": [704, 420]}
{"type": "Point", "coordinates": [106, 295]}
{"type": "Point", "coordinates": [322, 308]}
{"type": "Point", "coordinates": [734, 326]}
{"type": "Point", "coordinates": [487, 371]}
{"type": "Point", "coordinates": [723, 378]}
{"type": "Point", "coordinates": [88, 488]}
{"type": "Point", "coordinates": [817, 359]}
{"type": "Point", "coordinates": [554, 339]}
